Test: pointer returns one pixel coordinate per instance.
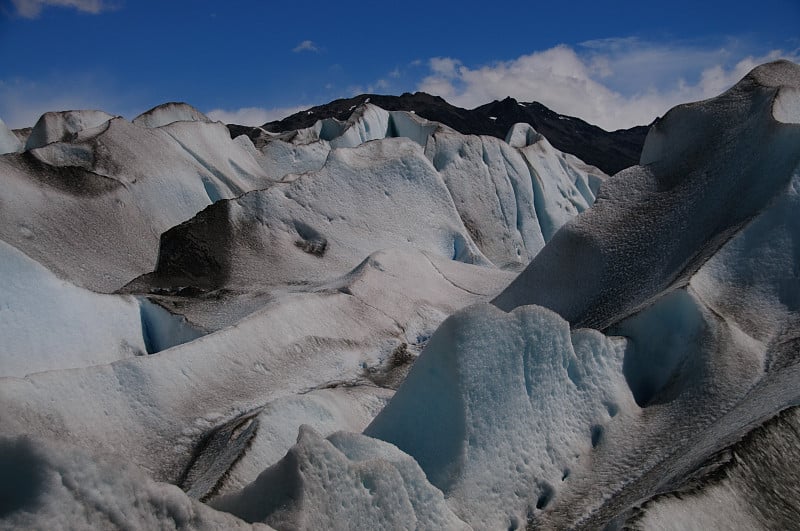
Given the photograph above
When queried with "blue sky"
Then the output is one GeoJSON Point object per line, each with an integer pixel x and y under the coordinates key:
{"type": "Point", "coordinates": [615, 64]}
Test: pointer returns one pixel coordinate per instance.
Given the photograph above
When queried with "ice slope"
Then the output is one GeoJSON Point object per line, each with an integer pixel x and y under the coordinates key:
{"type": "Point", "coordinates": [501, 408]}
{"type": "Point", "coordinates": [710, 360]}
{"type": "Point", "coordinates": [49, 485]}
{"type": "Point", "coordinates": [156, 410]}
{"type": "Point", "coordinates": [92, 208]}
{"type": "Point", "coordinates": [81, 328]}
{"type": "Point", "coordinates": [319, 225]}
{"type": "Point", "coordinates": [752, 485]}
{"type": "Point", "coordinates": [9, 143]}
{"type": "Point", "coordinates": [511, 195]}
{"type": "Point", "coordinates": [654, 225]}
{"type": "Point", "coordinates": [479, 199]}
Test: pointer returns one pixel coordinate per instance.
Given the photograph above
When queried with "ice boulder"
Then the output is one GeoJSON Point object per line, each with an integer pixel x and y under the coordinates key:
{"type": "Point", "coordinates": [167, 113]}
{"type": "Point", "coordinates": [706, 170]}
{"type": "Point", "coordinates": [9, 143]}
{"type": "Point", "coordinates": [347, 480]}
{"type": "Point", "coordinates": [63, 126]}
{"type": "Point", "coordinates": [500, 408]}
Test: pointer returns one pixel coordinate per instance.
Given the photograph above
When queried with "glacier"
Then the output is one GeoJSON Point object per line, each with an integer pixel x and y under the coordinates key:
{"type": "Point", "coordinates": [384, 323]}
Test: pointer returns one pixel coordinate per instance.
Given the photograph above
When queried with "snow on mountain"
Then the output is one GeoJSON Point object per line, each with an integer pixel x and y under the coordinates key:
{"type": "Point", "coordinates": [340, 275]}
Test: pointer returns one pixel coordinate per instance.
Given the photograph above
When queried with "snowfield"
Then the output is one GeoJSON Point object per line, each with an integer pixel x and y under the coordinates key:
{"type": "Point", "coordinates": [385, 324]}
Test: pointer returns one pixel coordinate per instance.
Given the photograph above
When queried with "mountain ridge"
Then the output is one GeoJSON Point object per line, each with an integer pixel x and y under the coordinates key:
{"type": "Point", "coordinates": [610, 151]}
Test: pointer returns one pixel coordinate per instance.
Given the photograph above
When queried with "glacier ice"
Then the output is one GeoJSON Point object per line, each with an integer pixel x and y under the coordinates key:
{"type": "Point", "coordinates": [9, 143]}
{"type": "Point", "coordinates": [339, 278]}
{"type": "Point", "coordinates": [168, 113]}
{"type": "Point", "coordinates": [655, 224]}
{"type": "Point", "coordinates": [500, 407]}
{"type": "Point", "coordinates": [346, 480]}
{"type": "Point", "coordinates": [82, 328]}
{"type": "Point", "coordinates": [47, 485]}
{"type": "Point", "coordinates": [155, 410]}
{"type": "Point", "coordinates": [63, 126]}
{"type": "Point", "coordinates": [122, 184]}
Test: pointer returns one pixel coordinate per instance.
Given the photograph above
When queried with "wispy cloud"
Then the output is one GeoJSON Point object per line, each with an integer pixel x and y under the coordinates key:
{"type": "Point", "coordinates": [613, 83]}
{"type": "Point", "coordinates": [306, 46]}
{"type": "Point", "coordinates": [252, 115]}
{"type": "Point", "coordinates": [23, 101]}
{"type": "Point", "coordinates": [33, 8]}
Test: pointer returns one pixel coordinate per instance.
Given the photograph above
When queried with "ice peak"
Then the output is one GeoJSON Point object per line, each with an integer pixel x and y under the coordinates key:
{"type": "Point", "coordinates": [167, 113]}
{"type": "Point", "coordinates": [64, 125]}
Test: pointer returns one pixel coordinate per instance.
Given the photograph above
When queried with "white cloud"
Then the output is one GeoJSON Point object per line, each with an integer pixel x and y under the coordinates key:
{"type": "Point", "coordinates": [252, 115]}
{"type": "Point", "coordinates": [33, 8]}
{"type": "Point", "coordinates": [613, 83]}
{"type": "Point", "coordinates": [306, 46]}
{"type": "Point", "coordinates": [23, 101]}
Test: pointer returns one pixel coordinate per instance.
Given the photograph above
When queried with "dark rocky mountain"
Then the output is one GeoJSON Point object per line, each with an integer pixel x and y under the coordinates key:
{"type": "Point", "coordinates": [609, 151]}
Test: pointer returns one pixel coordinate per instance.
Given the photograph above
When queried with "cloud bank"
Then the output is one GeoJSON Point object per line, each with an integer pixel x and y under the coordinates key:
{"type": "Point", "coordinates": [613, 83]}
